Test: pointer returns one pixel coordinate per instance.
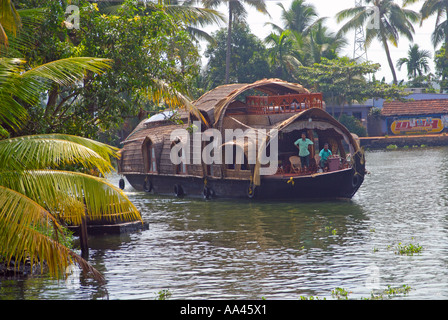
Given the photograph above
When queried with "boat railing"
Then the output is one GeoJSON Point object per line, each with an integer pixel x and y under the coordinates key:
{"type": "Point", "coordinates": [283, 103]}
{"type": "Point", "coordinates": [285, 166]}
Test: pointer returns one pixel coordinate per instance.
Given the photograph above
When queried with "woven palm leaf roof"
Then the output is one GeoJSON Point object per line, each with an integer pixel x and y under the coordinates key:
{"type": "Point", "coordinates": [216, 101]}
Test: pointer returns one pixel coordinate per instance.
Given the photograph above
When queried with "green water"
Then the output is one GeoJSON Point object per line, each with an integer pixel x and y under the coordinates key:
{"type": "Point", "coordinates": [226, 249]}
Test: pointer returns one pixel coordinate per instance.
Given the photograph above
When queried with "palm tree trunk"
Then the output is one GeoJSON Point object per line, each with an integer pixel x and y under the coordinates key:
{"type": "Point", "coordinates": [229, 43]}
{"type": "Point", "coordinates": [389, 60]}
{"type": "Point", "coordinates": [446, 32]}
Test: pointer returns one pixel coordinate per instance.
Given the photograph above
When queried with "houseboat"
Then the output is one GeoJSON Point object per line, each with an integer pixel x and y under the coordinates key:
{"type": "Point", "coordinates": [278, 112]}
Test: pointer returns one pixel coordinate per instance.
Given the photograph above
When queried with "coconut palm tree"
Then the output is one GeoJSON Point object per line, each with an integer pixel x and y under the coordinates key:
{"type": "Point", "coordinates": [37, 199]}
{"type": "Point", "coordinates": [302, 39]}
{"type": "Point", "coordinates": [324, 43]}
{"type": "Point", "coordinates": [300, 17]}
{"type": "Point", "coordinates": [236, 12]}
{"type": "Point", "coordinates": [384, 20]}
{"type": "Point", "coordinates": [281, 49]}
{"type": "Point", "coordinates": [440, 9]}
{"type": "Point", "coordinates": [416, 62]}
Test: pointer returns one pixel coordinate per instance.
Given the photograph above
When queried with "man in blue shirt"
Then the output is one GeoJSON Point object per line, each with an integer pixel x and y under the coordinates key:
{"type": "Point", "coordinates": [304, 154]}
{"type": "Point", "coordinates": [324, 154]}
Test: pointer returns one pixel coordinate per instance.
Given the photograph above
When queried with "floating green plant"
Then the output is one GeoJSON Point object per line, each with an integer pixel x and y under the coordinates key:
{"type": "Point", "coordinates": [310, 298]}
{"type": "Point", "coordinates": [340, 293]}
{"type": "Point", "coordinates": [163, 294]}
{"type": "Point", "coordinates": [389, 292]}
{"type": "Point", "coordinates": [333, 231]}
{"type": "Point", "coordinates": [392, 147]}
{"type": "Point", "coordinates": [409, 249]}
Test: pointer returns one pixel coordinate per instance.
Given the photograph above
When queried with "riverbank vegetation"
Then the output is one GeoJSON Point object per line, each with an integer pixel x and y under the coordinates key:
{"type": "Point", "coordinates": [42, 184]}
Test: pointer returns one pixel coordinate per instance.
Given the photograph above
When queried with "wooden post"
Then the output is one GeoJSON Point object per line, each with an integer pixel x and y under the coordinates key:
{"type": "Point", "coordinates": [83, 238]}
{"type": "Point", "coordinates": [312, 147]}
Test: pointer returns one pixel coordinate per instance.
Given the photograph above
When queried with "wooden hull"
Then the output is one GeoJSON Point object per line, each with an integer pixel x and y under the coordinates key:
{"type": "Point", "coordinates": [341, 184]}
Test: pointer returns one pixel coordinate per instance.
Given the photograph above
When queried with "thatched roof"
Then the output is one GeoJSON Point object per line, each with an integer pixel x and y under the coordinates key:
{"type": "Point", "coordinates": [214, 104]}
{"type": "Point", "coordinates": [216, 101]}
{"type": "Point", "coordinates": [318, 117]}
{"type": "Point", "coordinates": [156, 134]}
{"type": "Point", "coordinates": [417, 107]}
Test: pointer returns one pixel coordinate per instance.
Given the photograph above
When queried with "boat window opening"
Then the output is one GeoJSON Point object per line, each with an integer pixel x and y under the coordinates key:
{"type": "Point", "coordinates": [210, 170]}
{"type": "Point", "coordinates": [245, 164]}
{"type": "Point", "coordinates": [180, 168]}
{"type": "Point", "coordinates": [239, 159]}
{"type": "Point", "coordinates": [209, 167]}
{"type": "Point", "coordinates": [357, 115]}
{"type": "Point", "coordinates": [149, 156]}
{"type": "Point", "coordinates": [232, 165]}
{"type": "Point", "coordinates": [152, 159]}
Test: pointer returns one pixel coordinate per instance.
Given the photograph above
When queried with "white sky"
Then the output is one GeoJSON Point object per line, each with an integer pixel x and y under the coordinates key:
{"type": "Point", "coordinates": [329, 8]}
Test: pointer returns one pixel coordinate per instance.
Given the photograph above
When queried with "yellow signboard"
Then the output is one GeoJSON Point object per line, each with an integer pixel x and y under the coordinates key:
{"type": "Point", "coordinates": [417, 126]}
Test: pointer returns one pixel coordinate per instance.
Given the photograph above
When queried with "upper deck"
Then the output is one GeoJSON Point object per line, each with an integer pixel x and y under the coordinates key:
{"type": "Point", "coordinates": [288, 103]}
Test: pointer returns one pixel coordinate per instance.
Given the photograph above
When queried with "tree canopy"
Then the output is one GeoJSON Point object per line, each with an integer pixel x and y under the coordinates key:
{"type": "Point", "coordinates": [249, 57]}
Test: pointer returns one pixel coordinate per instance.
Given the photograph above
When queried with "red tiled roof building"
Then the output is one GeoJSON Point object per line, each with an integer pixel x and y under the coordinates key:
{"type": "Point", "coordinates": [416, 117]}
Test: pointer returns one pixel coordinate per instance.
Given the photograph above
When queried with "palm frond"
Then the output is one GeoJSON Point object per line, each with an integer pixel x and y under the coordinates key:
{"type": "Point", "coordinates": [12, 113]}
{"type": "Point", "coordinates": [67, 71]}
{"type": "Point", "coordinates": [20, 221]}
{"type": "Point", "coordinates": [359, 16]}
{"type": "Point", "coordinates": [292, 63]}
{"type": "Point", "coordinates": [24, 39]}
{"type": "Point", "coordinates": [16, 84]}
{"type": "Point", "coordinates": [401, 62]}
{"type": "Point", "coordinates": [259, 5]}
{"type": "Point", "coordinates": [84, 195]}
{"type": "Point", "coordinates": [163, 92]}
{"type": "Point", "coordinates": [104, 150]}
{"type": "Point", "coordinates": [194, 15]}
{"type": "Point", "coordinates": [349, 13]}
{"type": "Point", "coordinates": [439, 35]}
{"type": "Point", "coordinates": [198, 34]}
{"type": "Point", "coordinates": [55, 150]}
{"type": "Point", "coordinates": [275, 27]}
{"type": "Point", "coordinates": [9, 20]}
{"type": "Point", "coordinates": [431, 7]}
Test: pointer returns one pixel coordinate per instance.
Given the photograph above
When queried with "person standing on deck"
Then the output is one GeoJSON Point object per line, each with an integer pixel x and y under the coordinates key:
{"type": "Point", "coordinates": [304, 154]}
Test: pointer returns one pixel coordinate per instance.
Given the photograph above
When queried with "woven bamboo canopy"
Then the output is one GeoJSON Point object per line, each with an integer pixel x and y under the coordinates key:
{"type": "Point", "coordinates": [310, 119]}
{"type": "Point", "coordinates": [215, 102]}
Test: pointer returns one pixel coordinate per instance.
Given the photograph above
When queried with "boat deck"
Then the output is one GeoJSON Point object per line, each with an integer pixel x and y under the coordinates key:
{"type": "Point", "coordinates": [305, 173]}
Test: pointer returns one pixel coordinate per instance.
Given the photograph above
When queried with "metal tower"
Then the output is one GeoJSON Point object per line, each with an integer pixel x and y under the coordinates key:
{"type": "Point", "coordinates": [359, 50]}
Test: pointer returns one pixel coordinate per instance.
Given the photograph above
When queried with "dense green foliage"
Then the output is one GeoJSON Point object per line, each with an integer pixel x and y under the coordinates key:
{"type": "Point", "coordinates": [343, 81]}
{"type": "Point", "coordinates": [156, 54]}
{"type": "Point", "coordinates": [249, 58]}
{"type": "Point", "coordinates": [145, 45]}
{"type": "Point", "coordinates": [353, 125]}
